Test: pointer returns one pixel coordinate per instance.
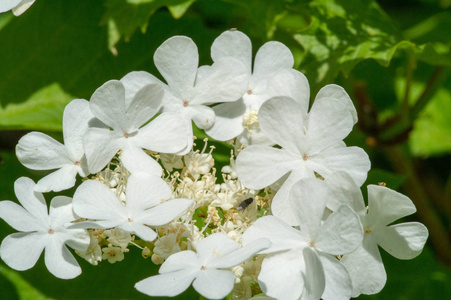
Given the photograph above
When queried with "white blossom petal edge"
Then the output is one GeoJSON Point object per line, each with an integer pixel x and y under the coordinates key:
{"type": "Point", "coordinates": [41, 230]}
{"type": "Point", "coordinates": [145, 205]}
{"type": "Point", "coordinates": [206, 269]}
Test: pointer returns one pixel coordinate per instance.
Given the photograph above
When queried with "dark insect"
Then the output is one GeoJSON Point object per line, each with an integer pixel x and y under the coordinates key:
{"type": "Point", "coordinates": [243, 205]}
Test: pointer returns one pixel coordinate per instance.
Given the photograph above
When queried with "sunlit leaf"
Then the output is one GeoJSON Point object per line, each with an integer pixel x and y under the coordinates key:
{"type": "Point", "coordinates": [42, 111]}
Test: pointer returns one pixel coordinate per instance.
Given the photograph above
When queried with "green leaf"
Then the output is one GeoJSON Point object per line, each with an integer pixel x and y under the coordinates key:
{"type": "Point", "coordinates": [342, 34]}
{"type": "Point", "coordinates": [42, 111]}
{"type": "Point", "coordinates": [23, 288]}
{"type": "Point", "coordinates": [431, 133]}
{"type": "Point", "coordinates": [123, 18]}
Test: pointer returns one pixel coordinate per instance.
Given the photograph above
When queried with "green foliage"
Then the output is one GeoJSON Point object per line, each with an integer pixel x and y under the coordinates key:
{"type": "Point", "coordinates": [42, 111]}
{"type": "Point", "coordinates": [61, 50]}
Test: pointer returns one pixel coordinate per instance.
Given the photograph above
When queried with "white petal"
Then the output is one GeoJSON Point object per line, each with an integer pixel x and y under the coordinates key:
{"type": "Point", "coordinates": [345, 192]}
{"type": "Point", "coordinates": [341, 233]}
{"type": "Point", "coordinates": [166, 133]}
{"type": "Point", "coordinates": [403, 241]}
{"type": "Point", "coordinates": [38, 151]}
{"type": "Point", "coordinates": [144, 105]}
{"type": "Point", "coordinates": [18, 218]}
{"type": "Point", "coordinates": [60, 261]}
{"type": "Point", "coordinates": [308, 198]}
{"type": "Point", "coordinates": [144, 232]}
{"type": "Point", "coordinates": [214, 284]}
{"type": "Point", "coordinates": [22, 7]}
{"type": "Point", "coordinates": [135, 160]}
{"type": "Point", "coordinates": [352, 160]}
{"type": "Point", "coordinates": [281, 120]}
{"type": "Point", "coordinates": [76, 117]}
{"type": "Point", "coordinates": [338, 281]}
{"type": "Point", "coordinates": [94, 200]}
{"type": "Point", "coordinates": [386, 205]}
{"type": "Point", "coordinates": [203, 116]}
{"type": "Point", "coordinates": [228, 120]}
{"type": "Point", "coordinates": [177, 60]}
{"type": "Point", "coordinates": [8, 5]}
{"type": "Point", "coordinates": [290, 83]}
{"type": "Point", "coordinates": [168, 284]}
{"type": "Point", "coordinates": [21, 251]}
{"type": "Point", "coordinates": [282, 236]}
{"type": "Point", "coordinates": [61, 211]}
{"type": "Point", "coordinates": [329, 122]}
{"type": "Point", "coordinates": [180, 260]}
{"type": "Point", "coordinates": [164, 213]}
{"type": "Point", "coordinates": [108, 105]}
{"type": "Point", "coordinates": [281, 206]}
{"type": "Point", "coordinates": [145, 191]}
{"type": "Point", "coordinates": [134, 81]}
{"type": "Point", "coordinates": [240, 255]}
{"type": "Point", "coordinates": [271, 57]}
{"type": "Point", "coordinates": [224, 82]}
{"type": "Point", "coordinates": [280, 276]}
{"type": "Point", "coordinates": [59, 180]}
{"type": "Point", "coordinates": [233, 44]}
{"type": "Point", "coordinates": [315, 277]}
{"type": "Point", "coordinates": [100, 146]}
{"type": "Point", "coordinates": [31, 200]}
{"type": "Point", "coordinates": [337, 92]}
{"type": "Point", "coordinates": [260, 166]}
{"type": "Point", "coordinates": [366, 269]}
{"type": "Point", "coordinates": [213, 246]}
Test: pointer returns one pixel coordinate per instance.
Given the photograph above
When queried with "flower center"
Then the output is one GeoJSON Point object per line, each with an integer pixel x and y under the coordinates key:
{"type": "Point", "coordinates": [129, 220]}
{"type": "Point", "coordinates": [77, 163]}
{"type": "Point", "coordinates": [185, 103]}
{"type": "Point", "coordinates": [249, 92]}
{"type": "Point", "coordinates": [203, 268]}
{"type": "Point", "coordinates": [51, 231]}
{"type": "Point", "coordinates": [305, 157]}
{"type": "Point", "coordinates": [367, 230]}
{"type": "Point", "coordinates": [311, 244]}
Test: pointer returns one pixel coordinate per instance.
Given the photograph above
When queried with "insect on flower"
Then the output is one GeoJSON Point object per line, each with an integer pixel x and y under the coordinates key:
{"type": "Point", "coordinates": [243, 205]}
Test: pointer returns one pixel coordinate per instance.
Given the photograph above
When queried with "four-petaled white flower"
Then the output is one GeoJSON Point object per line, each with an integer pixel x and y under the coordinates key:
{"type": "Point", "coordinates": [189, 89]}
{"type": "Point", "coordinates": [125, 117]}
{"type": "Point", "coordinates": [271, 75]}
{"type": "Point", "coordinates": [38, 151]}
{"type": "Point", "coordinates": [207, 269]}
{"type": "Point", "coordinates": [18, 7]}
{"type": "Point", "coordinates": [146, 204]}
{"type": "Point", "coordinates": [311, 144]}
{"type": "Point", "coordinates": [403, 241]}
{"type": "Point", "coordinates": [302, 262]}
{"type": "Point", "coordinates": [41, 230]}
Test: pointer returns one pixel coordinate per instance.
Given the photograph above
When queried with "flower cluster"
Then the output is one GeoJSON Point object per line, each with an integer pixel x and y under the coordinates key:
{"type": "Point", "coordinates": [285, 219]}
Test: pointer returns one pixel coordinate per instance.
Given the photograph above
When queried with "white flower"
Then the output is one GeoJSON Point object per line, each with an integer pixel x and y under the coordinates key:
{"type": "Point", "coordinates": [38, 151]}
{"type": "Point", "coordinates": [166, 245]}
{"type": "Point", "coordinates": [302, 262]}
{"type": "Point", "coordinates": [403, 241]}
{"type": "Point", "coordinates": [310, 144]}
{"type": "Point", "coordinates": [165, 133]}
{"type": "Point", "coordinates": [206, 269]}
{"type": "Point", "coordinates": [144, 195]}
{"type": "Point", "coordinates": [17, 6]}
{"type": "Point", "coordinates": [41, 230]}
{"type": "Point", "coordinates": [189, 89]}
{"type": "Point", "coordinates": [271, 75]}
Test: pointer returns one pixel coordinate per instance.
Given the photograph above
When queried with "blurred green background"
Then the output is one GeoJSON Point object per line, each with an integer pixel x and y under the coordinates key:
{"type": "Point", "coordinates": [393, 58]}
